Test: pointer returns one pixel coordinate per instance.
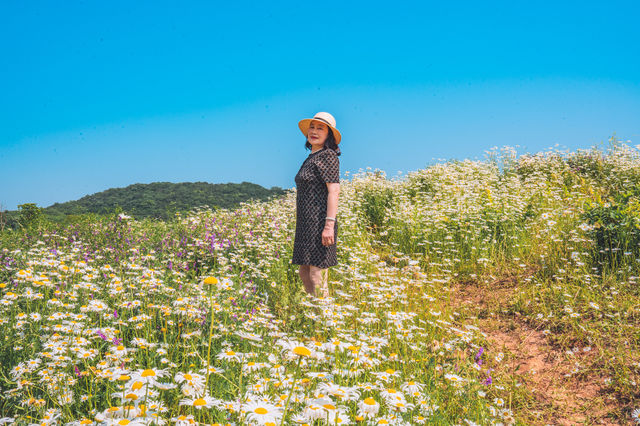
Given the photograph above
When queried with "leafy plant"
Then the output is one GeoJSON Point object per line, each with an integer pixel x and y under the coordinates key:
{"type": "Point", "coordinates": [616, 227]}
{"type": "Point", "coordinates": [30, 215]}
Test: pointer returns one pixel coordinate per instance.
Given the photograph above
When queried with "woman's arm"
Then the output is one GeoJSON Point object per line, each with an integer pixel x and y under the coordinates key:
{"type": "Point", "coordinates": [328, 237]}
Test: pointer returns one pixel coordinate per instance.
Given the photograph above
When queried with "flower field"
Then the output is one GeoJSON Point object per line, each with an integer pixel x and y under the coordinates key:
{"type": "Point", "coordinates": [202, 319]}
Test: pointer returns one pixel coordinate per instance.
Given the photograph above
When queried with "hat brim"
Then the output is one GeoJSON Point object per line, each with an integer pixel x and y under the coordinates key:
{"type": "Point", "coordinates": [304, 127]}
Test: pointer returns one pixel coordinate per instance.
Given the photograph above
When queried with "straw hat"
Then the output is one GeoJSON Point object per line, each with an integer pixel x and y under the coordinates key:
{"type": "Point", "coordinates": [324, 117]}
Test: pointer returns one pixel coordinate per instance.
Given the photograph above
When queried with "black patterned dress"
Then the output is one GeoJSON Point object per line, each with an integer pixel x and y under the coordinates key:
{"type": "Point", "coordinates": [318, 169]}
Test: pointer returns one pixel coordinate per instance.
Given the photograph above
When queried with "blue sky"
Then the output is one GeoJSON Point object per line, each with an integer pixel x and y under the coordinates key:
{"type": "Point", "coordinates": [100, 94]}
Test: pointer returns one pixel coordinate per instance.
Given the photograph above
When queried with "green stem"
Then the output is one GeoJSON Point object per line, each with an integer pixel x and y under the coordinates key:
{"type": "Point", "coordinates": [293, 387]}
{"type": "Point", "coordinates": [206, 383]}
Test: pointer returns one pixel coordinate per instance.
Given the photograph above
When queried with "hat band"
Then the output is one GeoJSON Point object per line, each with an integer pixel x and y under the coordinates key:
{"type": "Point", "coordinates": [323, 120]}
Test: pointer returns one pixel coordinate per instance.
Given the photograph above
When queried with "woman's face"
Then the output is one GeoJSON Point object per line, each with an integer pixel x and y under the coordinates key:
{"type": "Point", "coordinates": [317, 134]}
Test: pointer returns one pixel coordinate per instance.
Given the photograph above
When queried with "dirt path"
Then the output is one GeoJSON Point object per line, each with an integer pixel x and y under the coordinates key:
{"type": "Point", "coordinates": [557, 396]}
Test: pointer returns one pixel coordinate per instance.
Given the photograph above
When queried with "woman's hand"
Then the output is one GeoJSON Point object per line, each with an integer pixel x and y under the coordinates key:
{"type": "Point", "coordinates": [328, 237]}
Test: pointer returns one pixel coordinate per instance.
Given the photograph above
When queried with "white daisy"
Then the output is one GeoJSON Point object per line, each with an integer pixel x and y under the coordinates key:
{"type": "Point", "coordinates": [262, 413]}
{"type": "Point", "coordinates": [368, 408]}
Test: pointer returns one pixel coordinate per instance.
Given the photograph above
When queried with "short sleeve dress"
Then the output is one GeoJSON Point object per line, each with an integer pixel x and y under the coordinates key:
{"type": "Point", "coordinates": [320, 168]}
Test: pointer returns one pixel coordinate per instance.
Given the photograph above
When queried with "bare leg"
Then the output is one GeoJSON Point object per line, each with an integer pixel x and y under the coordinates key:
{"type": "Point", "coordinates": [319, 278]}
{"type": "Point", "coordinates": [304, 272]}
{"type": "Point", "coordinates": [325, 282]}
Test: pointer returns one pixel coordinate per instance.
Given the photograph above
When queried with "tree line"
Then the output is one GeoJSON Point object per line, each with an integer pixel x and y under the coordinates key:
{"type": "Point", "coordinates": [159, 200]}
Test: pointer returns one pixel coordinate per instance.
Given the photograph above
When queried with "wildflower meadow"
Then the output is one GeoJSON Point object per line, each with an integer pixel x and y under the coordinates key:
{"type": "Point", "coordinates": [447, 278]}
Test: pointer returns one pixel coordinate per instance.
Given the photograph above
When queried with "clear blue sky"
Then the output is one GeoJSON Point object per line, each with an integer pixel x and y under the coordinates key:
{"type": "Point", "coordinates": [101, 94]}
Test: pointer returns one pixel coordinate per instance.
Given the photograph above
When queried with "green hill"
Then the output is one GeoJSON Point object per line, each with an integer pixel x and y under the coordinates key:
{"type": "Point", "coordinates": [162, 199]}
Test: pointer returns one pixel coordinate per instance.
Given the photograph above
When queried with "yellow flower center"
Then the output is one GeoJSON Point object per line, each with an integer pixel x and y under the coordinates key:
{"type": "Point", "coordinates": [188, 376]}
{"type": "Point", "coordinates": [124, 422]}
{"type": "Point", "coordinates": [301, 350]}
{"type": "Point", "coordinates": [211, 281]}
{"type": "Point", "coordinates": [199, 402]}
{"type": "Point", "coordinates": [137, 386]}
{"type": "Point", "coordinates": [261, 410]}
{"type": "Point", "coordinates": [369, 401]}
{"type": "Point", "coordinates": [329, 406]}
{"type": "Point", "coordinates": [148, 372]}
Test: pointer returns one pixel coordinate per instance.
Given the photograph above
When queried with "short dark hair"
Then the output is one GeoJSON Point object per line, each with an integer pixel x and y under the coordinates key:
{"type": "Point", "coordinates": [330, 143]}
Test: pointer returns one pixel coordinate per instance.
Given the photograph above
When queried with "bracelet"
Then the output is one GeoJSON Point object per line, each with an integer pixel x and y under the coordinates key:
{"type": "Point", "coordinates": [330, 218]}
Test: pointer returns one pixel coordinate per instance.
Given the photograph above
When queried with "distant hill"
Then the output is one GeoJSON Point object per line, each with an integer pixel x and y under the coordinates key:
{"type": "Point", "coordinates": [162, 199]}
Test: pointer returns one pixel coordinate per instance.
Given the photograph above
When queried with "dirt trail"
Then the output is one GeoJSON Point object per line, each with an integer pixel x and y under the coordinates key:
{"type": "Point", "coordinates": [558, 396]}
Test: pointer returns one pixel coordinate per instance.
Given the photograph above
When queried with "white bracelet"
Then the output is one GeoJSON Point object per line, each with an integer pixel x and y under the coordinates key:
{"type": "Point", "coordinates": [330, 218]}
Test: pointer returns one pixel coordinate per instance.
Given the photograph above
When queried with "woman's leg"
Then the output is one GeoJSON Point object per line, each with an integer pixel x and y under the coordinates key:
{"type": "Point", "coordinates": [325, 281]}
{"type": "Point", "coordinates": [319, 279]}
{"type": "Point", "coordinates": [304, 272]}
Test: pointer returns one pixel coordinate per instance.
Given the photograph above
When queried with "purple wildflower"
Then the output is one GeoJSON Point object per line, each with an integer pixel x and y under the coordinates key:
{"type": "Point", "coordinates": [488, 380]}
{"type": "Point", "coordinates": [479, 356]}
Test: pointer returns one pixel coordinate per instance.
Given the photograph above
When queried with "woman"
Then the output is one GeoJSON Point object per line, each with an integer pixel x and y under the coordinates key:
{"type": "Point", "coordinates": [318, 187]}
